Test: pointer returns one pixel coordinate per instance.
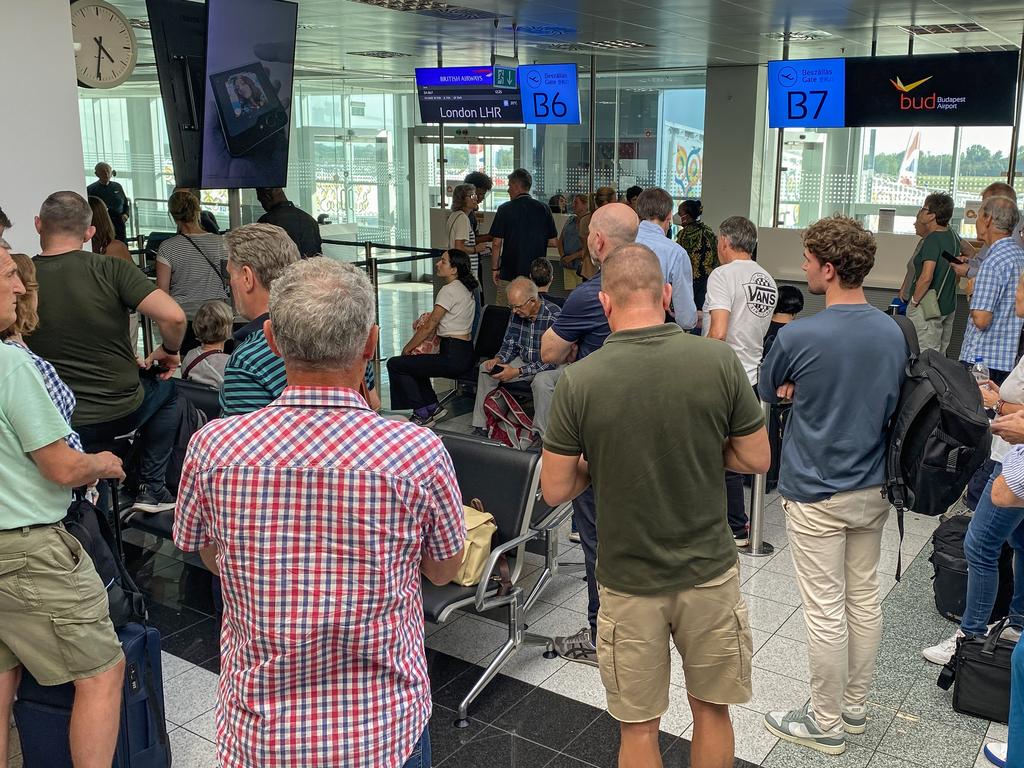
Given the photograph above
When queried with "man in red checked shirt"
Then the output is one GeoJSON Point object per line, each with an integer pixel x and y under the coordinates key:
{"type": "Point", "coordinates": [320, 517]}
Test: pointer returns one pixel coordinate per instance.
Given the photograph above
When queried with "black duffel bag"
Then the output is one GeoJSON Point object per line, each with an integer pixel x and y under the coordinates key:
{"type": "Point", "coordinates": [90, 526]}
{"type": "Point", "coordinates": [980, 674]}
{"type": "Point", "coordinates": [949, 583]}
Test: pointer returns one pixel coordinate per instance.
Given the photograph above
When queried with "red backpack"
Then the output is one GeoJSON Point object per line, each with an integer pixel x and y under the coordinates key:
{"type": "Point", "coordinates": [507, 422]}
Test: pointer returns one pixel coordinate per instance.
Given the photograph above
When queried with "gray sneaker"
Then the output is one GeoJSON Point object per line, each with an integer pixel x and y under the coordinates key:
{"type": "Point", "coordinates": [578, 647]}
{"type": "Point", "coordinates": [799, 727]}
{"type": "Point", "coordinates": [855, 719]}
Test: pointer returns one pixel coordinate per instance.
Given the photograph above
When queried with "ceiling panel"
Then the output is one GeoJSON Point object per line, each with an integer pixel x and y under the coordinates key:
{"type": "Point", "coordinates": [681, 33]}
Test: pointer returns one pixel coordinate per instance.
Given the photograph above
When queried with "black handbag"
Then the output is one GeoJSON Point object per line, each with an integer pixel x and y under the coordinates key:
{"type": "Point", "coordinates": [980, 674]}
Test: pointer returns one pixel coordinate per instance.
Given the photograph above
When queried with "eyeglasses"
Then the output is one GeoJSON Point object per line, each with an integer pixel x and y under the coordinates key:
{"type": "Point", "coordinates": [520, 306]}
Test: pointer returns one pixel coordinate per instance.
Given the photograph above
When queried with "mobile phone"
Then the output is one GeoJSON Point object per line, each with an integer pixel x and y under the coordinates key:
{"type": "Point", "coordinates": [249, 110]}
{"type": "Point", "coordinates": [951, 258]}
{"type": "Point", "coordinates": [496, 369]}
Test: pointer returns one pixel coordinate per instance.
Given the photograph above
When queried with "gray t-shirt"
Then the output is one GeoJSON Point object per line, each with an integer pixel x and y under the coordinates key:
{"type": "Point", "coordinates": [847, 363]}
{"type": "Point", "coordinates": [195, 278]}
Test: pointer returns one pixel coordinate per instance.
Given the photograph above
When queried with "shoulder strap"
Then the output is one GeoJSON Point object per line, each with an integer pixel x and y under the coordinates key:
{"type": "Point", "coordinates": [910, 334]}
{"type": "Point", "coordinates": [202, 253]}
{"type": "Point", "coordinates": [199, 359]}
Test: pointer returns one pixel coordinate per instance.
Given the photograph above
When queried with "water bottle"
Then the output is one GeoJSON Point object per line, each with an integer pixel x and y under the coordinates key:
{"type": "Point", "coordinates": [980, 371]}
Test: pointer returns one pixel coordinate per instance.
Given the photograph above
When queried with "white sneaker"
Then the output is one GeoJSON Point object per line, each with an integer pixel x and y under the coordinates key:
{"type": "Point", "coordinates": [1012, 634]}
{"type": "Point", "coordinates": [996, 753]}
{"type": "Point", "coordinates": [941, 654]}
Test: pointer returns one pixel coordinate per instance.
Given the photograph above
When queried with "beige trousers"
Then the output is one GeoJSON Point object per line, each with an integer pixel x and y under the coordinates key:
{"type": "Point", "coordinates": [836, 545]}
{"type": "Point", "coordinates": [931, 334]}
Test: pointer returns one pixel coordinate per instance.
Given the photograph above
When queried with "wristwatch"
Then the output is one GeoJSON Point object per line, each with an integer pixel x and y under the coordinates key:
{"type": "Point", "coordinates": [169, 351]}
{"type": "Point", "coordinates": [998, 407]}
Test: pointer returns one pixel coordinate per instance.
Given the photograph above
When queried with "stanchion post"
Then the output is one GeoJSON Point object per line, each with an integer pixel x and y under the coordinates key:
{"type": "Point", "coordinates": [371, 266]}
{"type": "Point", "coordinates": [758, 546]}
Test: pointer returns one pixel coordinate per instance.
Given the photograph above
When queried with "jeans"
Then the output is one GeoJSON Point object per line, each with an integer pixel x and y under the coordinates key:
{"type": "Point", "coordinates": [990, 527]}
{"type": "Point", "coordinates": [420, 757]}
{"type": "Point", "coordinates": [734, 494]}
{"type": "Point", "coordinates": [1015, 753]}
{"type": "Point", "coordinates": [410, 375]}
{"type": "Point", "coordinates": [584, 514]}
{"type": "Point", "coordinates": [157, 420]}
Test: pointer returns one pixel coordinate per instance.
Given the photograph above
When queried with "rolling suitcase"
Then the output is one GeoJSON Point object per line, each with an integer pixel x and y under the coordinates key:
{"type": "Point", "coordinates": [43, 713]}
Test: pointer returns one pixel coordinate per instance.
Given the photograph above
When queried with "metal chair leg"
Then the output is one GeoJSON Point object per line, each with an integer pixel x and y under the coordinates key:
{"type": "Point", "coordinates": [516, 614]}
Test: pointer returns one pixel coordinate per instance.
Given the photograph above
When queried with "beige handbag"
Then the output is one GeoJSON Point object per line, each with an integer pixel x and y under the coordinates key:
{"type": "Point", "coordinates": [480, 530]}
{"type": "Point", "coordinates": [930, 301]}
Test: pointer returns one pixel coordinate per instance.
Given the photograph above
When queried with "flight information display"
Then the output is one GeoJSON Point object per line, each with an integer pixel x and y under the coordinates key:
{"type": "Point", "coordinates": [535, 94]}
{"type": "Point", "coordinates": [958, 89]}
{"type": "Point", "coordinates": [466, 95]}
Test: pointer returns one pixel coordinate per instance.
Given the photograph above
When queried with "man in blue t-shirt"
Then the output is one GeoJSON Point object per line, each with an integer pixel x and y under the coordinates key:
{"type": "Point", "coordinates": [580, 329]}
{"type": "Point", "coordinates": [843, 369]}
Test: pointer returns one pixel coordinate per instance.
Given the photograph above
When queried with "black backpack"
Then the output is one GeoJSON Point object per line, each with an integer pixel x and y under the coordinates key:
{"type": "Point", "coordinates": [949, 583]}
{"type": "Point", "coordinates": [90, 526]}
{"type": "Point", "coordinates": [190, 421]}
{"type": "Point", "coordinates": [938, 436]}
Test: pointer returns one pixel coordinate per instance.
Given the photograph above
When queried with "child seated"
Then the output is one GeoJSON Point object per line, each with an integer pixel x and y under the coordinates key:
{"type": "Point", "coordinates": [212, 326]}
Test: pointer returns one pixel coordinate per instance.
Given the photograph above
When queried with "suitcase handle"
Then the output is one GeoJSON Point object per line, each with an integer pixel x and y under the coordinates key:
{"type": "Point", "coordinates": [989, 649]}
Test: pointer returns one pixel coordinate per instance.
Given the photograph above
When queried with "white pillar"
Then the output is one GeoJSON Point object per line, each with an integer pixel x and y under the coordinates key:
{"type": "Point", "coordinates": [40, 132]}
{"type": "Point", "coordinates": [734, 124]}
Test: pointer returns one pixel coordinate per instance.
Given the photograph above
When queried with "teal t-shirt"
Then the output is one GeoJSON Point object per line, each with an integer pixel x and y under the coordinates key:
{"type": "Point", "coordinates": [28, 421]}
{"type": "Point", "coordinates": [944, 280]}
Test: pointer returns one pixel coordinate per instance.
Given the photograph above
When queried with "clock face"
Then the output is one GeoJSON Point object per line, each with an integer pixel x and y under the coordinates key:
{"type": "Point", "coordinates": [106, 51]}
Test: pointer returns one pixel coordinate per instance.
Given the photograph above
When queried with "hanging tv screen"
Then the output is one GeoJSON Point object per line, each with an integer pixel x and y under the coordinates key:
{"type": "Point", "coordinates": [466, 95]}
{"type": "Point", "coordinates": [250, 63]}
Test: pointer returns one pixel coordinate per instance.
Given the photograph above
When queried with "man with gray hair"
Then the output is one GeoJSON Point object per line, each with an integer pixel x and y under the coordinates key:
{"type": "Point", "coordinates": [523, 229]}
{"type": "Point", "coordinates": [654, 207]}
{"type": "Point", "coordinates": [320, 538]}
{"type": "Point", "coordinates": [518, 359]}
{"type": "Point", "coordinates": [254, 376]}
{"type": "Point", "coordinates": [113, 196]}
{"type": "Point", "coordinates": [738, 308]}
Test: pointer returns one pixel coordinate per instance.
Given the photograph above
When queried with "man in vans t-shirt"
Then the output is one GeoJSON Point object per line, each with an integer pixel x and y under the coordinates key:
{"type": "Point", "coordinates": [738, 308]}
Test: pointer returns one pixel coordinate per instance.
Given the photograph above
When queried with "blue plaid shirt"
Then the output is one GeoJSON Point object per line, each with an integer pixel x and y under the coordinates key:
{"type": "Point", "coordinates": [60, 393]}
{"type": "Point", "coordinates": [994, 291]}
{"type": "Point", "coordinates": [522, 340]}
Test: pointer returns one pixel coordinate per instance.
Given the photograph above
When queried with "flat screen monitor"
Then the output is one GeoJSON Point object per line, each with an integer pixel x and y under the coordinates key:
{"type": "Point", "coordinates": [550, 94]}
{"type": "Point", "coordinates": [250, 62]}
{"type": "Point", "coordinates": [955, 89]}
{"type": "Point", "coordinates": [178, 28]}
{"type": "Point", "coordinates": [466, 95]}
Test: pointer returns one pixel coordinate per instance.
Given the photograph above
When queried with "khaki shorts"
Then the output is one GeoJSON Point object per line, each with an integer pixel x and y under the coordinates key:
{"type": "Point", "coordinates": [54, 615]}
{"type": "Point", "coordinates": [709, 626]}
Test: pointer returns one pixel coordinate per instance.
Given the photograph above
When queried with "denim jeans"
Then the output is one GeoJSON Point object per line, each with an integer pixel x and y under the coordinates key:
{"type": "Point", "coordinates": [420, 757]}
{"type": "Point", "coordinates": [584, 515]}
{"type": "Point", "coordinates": [1015, 753]}
{"type": "Point", "coordinates": [990, 527]}
{"type": "Point", "coordinates": [156, 417]}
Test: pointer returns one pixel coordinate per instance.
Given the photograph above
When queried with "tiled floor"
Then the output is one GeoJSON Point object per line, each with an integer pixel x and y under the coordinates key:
{"type": "Point", "coordinates": [543, 712]}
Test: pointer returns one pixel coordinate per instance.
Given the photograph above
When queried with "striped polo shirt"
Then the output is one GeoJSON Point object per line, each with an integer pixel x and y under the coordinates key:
{"type": "Point", "coordinates": [254, 376]}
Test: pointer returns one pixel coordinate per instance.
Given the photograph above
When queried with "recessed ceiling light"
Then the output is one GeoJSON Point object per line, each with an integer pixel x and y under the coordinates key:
{"type": "Point", "coordinates": [984, 48]}
{"type": "Point", "coordinates": [943, 29]}
{"type": "Point", "coordinates": [380, 54]}
{"type": "Point", "coordinates": [614, 44]}
{"type": "Point", "coordinates": [433, 8]}
{"type": "Point", "coordinates": [800, 36]}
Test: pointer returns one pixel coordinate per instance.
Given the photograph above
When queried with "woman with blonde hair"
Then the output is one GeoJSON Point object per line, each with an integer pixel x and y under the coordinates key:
{"type": "Point", "coordinates": [26, 321]}
{"type": "Point", "coordinates": [105, 240]}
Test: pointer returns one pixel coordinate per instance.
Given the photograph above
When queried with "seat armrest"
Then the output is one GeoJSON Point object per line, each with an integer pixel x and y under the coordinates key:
{"type": "Point", "coordinates": [483, 602]}
{"type": "Point", "coordinates": [555, 518]}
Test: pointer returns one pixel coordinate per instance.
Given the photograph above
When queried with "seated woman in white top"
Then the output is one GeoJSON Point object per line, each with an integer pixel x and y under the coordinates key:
{"type": "Point", "coordinates": [452, 319]}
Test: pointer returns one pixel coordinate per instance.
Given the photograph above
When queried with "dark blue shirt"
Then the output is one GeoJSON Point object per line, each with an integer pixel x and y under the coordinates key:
{"type": "Point", "coordinates": [847, 363]}
{"type": "Point", "coordinates": [582, 320]}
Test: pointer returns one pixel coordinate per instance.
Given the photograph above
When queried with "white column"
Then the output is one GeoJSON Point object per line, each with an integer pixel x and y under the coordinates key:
{"type": "Point", "coordinates": [40, 133]}
{"type": "Point", "coordinates": [734, 124]}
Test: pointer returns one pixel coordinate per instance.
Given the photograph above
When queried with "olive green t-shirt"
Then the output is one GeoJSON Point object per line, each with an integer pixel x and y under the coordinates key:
{"type": "Point", "coordinates": [650, 411]}
{"type": "Point", "coordinates": [84, 302]}
{"type": "Point", "coordinates": [944, 280]}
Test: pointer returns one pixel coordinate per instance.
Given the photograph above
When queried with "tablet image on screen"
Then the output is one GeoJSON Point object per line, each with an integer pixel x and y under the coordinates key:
{"type": "Point", "coordinates": [248, 107]}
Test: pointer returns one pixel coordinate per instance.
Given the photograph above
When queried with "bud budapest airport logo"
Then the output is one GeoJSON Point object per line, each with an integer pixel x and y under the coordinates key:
{"type": "Point", "coordinates": [924, 102]}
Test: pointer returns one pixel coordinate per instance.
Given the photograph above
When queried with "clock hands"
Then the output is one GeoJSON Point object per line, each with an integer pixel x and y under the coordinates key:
{"type": "Point", "coordinates": [104, 51]}
{"type": "Point", "coordinates": [100, 53]}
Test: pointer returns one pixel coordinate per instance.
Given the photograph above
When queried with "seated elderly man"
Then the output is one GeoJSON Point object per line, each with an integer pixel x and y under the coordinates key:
{"type": "Point", "coordinates": [319, 516]}
{"type": "Point", "coordinates": [519, 356]}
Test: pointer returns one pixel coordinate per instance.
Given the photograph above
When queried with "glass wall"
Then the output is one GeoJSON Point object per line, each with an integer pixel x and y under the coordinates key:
{"type": "Point", "coordinates": [860, 171]}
